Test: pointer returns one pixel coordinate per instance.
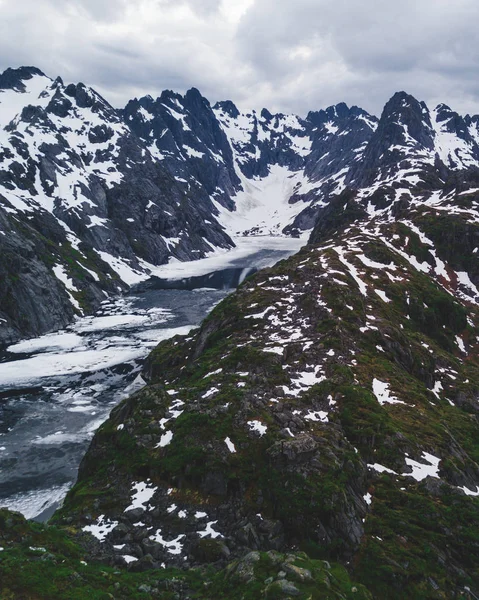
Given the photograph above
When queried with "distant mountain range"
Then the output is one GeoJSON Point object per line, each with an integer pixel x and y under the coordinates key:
{"type": "Point", "coordinates": [92, 198]}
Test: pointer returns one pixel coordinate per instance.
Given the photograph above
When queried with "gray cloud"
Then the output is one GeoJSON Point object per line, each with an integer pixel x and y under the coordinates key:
{"type": "Point", "coordinates": [203, 8]}
{"type": "Point", "coordinates": [365, 51]}
{"type": "Point", "coordinates": [283, 55]}
{"type": "Point", "coordinates": [98, 10]}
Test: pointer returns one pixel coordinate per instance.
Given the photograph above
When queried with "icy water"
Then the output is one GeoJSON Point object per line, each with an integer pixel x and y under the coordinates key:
{"type": "Point", "coordinates": [56, 390]}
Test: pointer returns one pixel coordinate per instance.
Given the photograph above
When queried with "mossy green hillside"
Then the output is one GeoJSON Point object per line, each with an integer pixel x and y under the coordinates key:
{"type": "Point", "coordinates": [306, 473]}
{"type": "Point", "coordinates": [39, 562]}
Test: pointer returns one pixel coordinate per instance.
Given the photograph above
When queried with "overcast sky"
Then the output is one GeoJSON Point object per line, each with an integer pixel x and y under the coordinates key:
{"type": "Point", "coordinates": [287, 55]}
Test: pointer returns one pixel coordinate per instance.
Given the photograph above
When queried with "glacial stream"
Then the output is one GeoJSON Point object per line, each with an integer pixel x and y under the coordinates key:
{"type": "Point", "coordinates": [56, 390]}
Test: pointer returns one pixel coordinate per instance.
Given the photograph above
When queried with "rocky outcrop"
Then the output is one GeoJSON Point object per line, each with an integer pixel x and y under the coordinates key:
{"type": "Point", "coordinates": [57, 568]}
{"type": "Point", "coordinates": [38, 294]}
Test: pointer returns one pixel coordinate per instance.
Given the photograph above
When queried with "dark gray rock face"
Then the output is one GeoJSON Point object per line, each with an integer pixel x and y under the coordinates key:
{"type": "Point", "coordinates": [13, 79]}
{"type": "Point", "coordinates": [184, 134]}
{"type": "Point", "coordinates": [339, 133]}
{"type": "Point", "coordinates": [403, 131]}
{"type": "Point", "coordinates": [32, 298]}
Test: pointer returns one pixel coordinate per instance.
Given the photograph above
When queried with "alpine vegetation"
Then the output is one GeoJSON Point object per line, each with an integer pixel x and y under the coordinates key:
{"type": "Point", "coordinates": [317, 436]}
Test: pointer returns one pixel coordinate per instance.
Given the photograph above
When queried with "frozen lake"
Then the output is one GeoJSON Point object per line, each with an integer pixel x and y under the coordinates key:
{"type": "Point", "coordinates": [56, 390]}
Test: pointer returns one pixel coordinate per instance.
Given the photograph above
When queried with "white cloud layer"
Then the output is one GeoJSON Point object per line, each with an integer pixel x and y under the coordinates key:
{"type": "Point", "coordinates": [288, 56]}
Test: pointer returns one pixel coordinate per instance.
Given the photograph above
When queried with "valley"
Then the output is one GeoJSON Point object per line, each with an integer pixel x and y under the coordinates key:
{"type": "Point", "coordinates": [312, 433]}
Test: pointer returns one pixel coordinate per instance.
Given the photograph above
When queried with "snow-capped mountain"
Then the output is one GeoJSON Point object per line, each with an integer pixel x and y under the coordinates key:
{"type": "Point", "coordinates": [264, 173]}
{"type": "Point", "coordinates": [93, 198]}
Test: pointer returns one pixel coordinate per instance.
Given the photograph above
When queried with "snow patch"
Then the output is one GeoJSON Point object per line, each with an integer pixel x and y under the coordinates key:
{"type": "Point", "coordinates": [209, 531]}
{"type": "Point", "coordinates": [230, 445]}
{"type": "Point", "coordinates": [165, 440]}
{"type": "Point", "coordinates": [382, 393]}
{"type": "Point", "coordinates": [172, 546]}
{"type": "Point", "coordinates": [142, 492]}
{"type": "Point", "coordinates": [258, 426]}
{"type": "Point", "coordinates": [420, 470]}
{"type": "Point", "coordinates": [101, 528]}
{"type": "Point", "coordinates": [381, 469]}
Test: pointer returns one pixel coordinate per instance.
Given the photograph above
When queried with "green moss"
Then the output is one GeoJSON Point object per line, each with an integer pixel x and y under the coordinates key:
{"type": "Point", "coordinates": [379, 252]}
{"type": "Point", "coordinates": [366, 423]}
{"type": "Point", "coordinates": [59, 570]}
{"type": "Point", "coordinates": [455, 239]}
{"type": "Point", "coordinates": [406, 535]}
{"type": "Point", "coordinates": [414, 245]}
{"type": "Point", "coordinates": [208, 551]}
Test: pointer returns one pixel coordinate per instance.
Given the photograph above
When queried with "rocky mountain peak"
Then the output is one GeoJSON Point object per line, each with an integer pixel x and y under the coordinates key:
{"type": "Point", "coordinates": [86, 97]}
{"type": "Point", "coordinates": [404, 133]}
{"type": "Point", "coordinates": [228, 107]}
{"type": "Point", "coordinates": [320, 117]}
{"type": "Point", "coordinates": [58, 82]}
{"type": "Point", "coordinates": [194, 99]}
{"type": "Point", "coordinates": [443, 111]}
{"type": "Point", "coordinates": [406, 120]}
{"type": "Point", "coordinates": [169, 97]}
{"type": "Point", "coordinates": [452, 122]}
{"type": "Point", "coordinates": [13, 79]}
{"type": "Point", "coordinates": [342, 110]}
{"type": "Point", "coordinates": [336, 113]}
{"type": "Point", "coordinates": [266, 115]}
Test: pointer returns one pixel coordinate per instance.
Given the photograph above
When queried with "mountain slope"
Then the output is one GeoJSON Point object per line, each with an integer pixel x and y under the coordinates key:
{"type": "Point", "coordinates": [330, 405]}
{"type": "Point", "coordinates": [80, 189]}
